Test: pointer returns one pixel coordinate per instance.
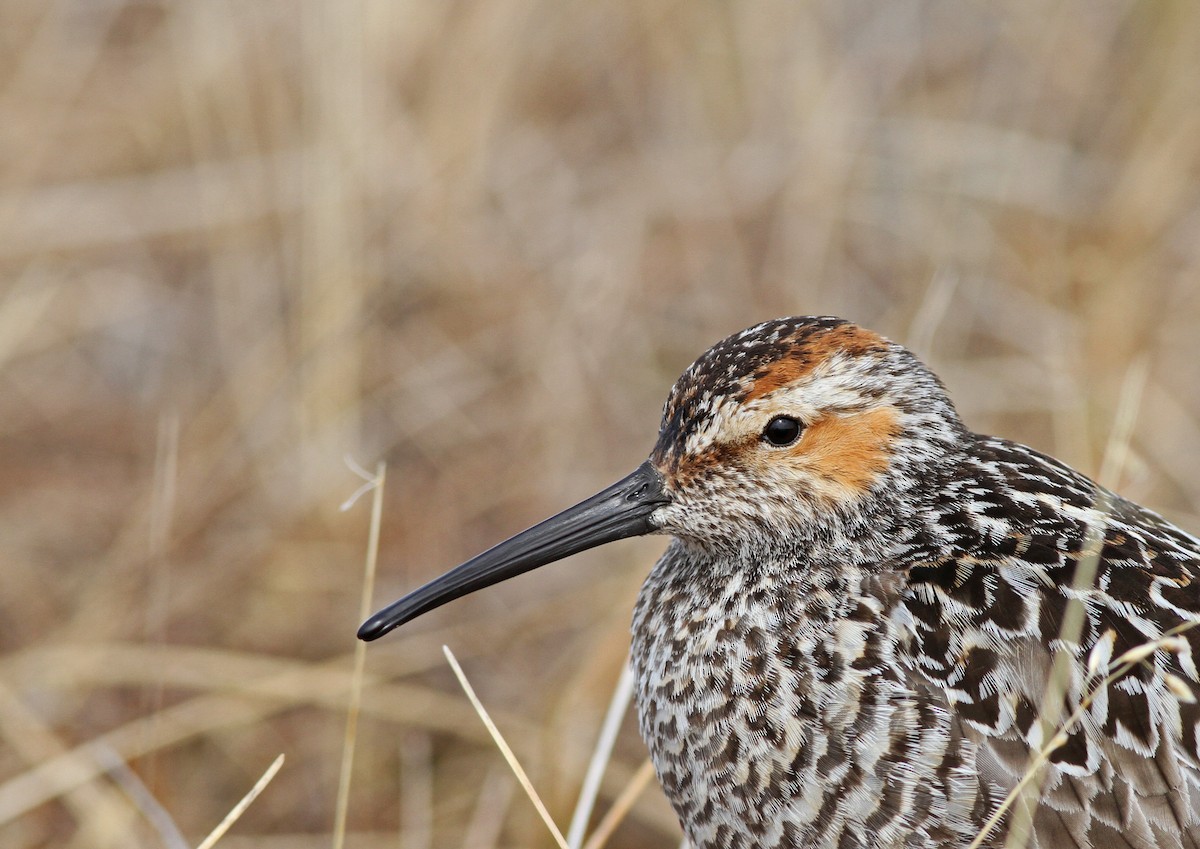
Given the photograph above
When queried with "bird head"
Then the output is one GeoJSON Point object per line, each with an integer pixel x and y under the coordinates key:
{"type": "Point", "coordinates": [796, 430]}
{"type": "Point", "coordinates": [788, 435]}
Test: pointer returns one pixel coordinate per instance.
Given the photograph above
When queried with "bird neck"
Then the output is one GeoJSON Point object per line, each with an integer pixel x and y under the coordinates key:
{"type": "Point", "coordinates": [751, 687]}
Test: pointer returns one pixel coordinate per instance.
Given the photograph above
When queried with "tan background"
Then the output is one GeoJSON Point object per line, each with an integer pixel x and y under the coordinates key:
{"type": "Point", "coordinates": [479, 240]}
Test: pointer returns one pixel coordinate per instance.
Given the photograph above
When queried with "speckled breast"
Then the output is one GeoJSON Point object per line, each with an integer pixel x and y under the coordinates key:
{"type": "Point", "coordinates": [778, 715]}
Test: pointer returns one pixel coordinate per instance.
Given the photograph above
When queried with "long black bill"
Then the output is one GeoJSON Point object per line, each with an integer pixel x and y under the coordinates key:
{"type": "Point", "coordinates": [622, 510]}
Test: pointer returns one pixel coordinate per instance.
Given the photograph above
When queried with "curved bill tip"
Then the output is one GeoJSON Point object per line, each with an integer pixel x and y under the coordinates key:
{"type": "Point", "coordinates": [622, 510]}
{"type": "Point", "coordinates": [375, 627]}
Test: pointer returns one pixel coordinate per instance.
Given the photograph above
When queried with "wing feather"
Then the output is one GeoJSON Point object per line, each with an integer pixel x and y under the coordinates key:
{"type": "Point", "coordinates": [992, 618]}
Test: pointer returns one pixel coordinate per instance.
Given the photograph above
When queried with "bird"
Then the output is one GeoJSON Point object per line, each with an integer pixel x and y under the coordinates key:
{"type": "Point", "coordinates": [873, 627]}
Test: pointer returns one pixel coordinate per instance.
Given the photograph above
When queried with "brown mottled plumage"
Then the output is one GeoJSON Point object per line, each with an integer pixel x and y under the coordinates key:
{"type": "Point", "coordinates": [869, 618]}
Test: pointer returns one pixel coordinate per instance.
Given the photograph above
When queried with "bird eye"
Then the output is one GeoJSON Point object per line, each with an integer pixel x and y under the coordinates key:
{"type": "Point", "coordinates": [782, 430]}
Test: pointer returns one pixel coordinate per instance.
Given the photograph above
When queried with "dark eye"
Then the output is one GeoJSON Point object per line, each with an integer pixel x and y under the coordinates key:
{"type": "Point", "coordinates": [782, 430]}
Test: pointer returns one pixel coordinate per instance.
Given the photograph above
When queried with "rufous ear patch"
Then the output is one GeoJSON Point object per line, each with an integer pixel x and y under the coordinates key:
{"type": "Point", "coordinates": [848, 451]}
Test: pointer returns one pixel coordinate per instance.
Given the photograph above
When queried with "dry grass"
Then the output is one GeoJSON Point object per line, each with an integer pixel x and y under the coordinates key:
{"type": "Point", "coordinates": [478, 241]}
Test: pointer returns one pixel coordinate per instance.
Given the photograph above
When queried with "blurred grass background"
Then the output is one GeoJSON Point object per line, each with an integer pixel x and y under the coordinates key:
{"type": "Point", "coordinates": [479, 240]}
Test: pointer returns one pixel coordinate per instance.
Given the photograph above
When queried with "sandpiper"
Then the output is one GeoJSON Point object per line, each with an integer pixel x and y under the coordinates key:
{"type": "Point", "coordinates": [870, 620]}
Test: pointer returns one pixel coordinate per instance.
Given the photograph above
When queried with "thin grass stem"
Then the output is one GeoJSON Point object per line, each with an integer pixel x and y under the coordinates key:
{"type": "Point", "coordinates": [240, 808]}
{"type": "Point", "coordinates": [616, 814]}
{"type": "Point", "coordinates": [360, 661]}
{"type": "Point", "coordinates": [617, 707]}
{"type": "Point", "coordinates": [505, 750]}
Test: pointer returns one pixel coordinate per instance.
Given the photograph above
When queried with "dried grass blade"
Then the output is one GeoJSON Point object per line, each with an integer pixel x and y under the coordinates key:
{"type": "Point", "coordinates": [360, 661]}
{"type": "Point", "coordinates": [617, 706]}
{"type": "Point", "coordinates": [616, 814]}
{"type": "Point", "coordinates": [504, 749]}
{"type": "Point", "coordinates": [240, 808]}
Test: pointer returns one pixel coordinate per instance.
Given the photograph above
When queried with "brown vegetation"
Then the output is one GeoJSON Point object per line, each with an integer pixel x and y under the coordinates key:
{"type": "Point", "coordinates": [478, 241]}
